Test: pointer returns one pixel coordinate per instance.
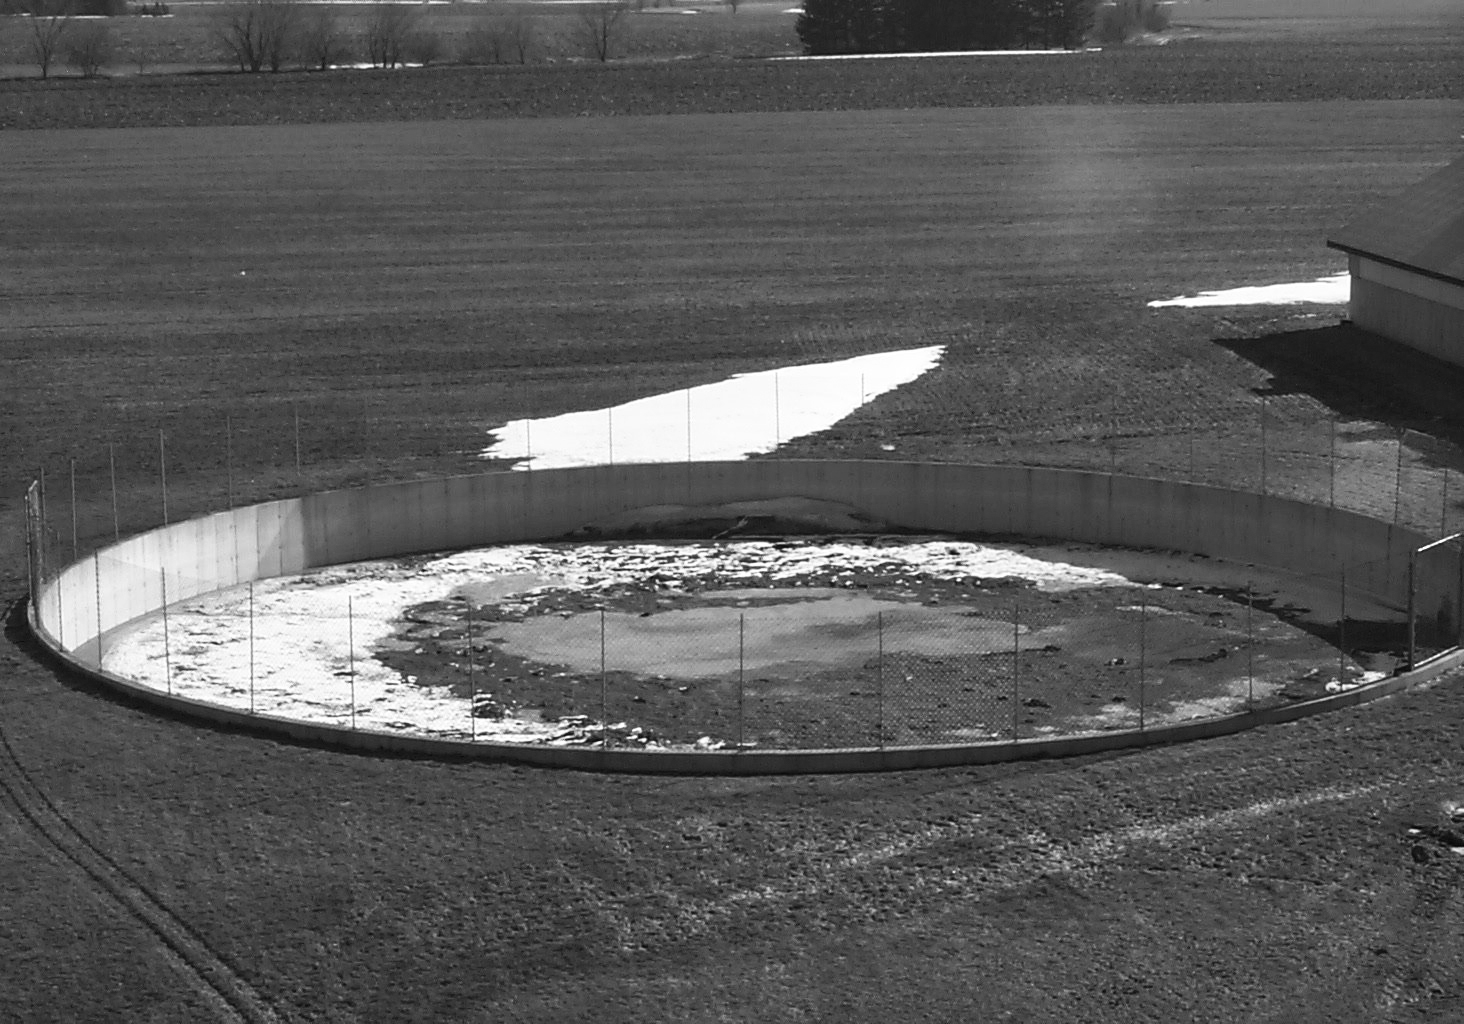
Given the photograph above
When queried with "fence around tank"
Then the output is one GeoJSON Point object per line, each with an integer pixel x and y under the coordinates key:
{"type": "Point", "coordinates": [887, 708]}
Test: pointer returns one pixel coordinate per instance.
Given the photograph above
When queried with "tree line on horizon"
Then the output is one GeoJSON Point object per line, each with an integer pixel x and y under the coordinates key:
{"type": "Point", "coordinates": [828, 27]}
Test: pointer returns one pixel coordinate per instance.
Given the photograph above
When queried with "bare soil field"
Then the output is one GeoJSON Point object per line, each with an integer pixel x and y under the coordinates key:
{"type": "Point", "coordinates": [1204, 70]}
{"type": "Point", "coordinates": [405, 287]}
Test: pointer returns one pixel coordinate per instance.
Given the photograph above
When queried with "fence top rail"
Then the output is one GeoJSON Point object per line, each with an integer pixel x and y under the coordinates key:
{"type": "Point", "coordinates": [1438, 543]}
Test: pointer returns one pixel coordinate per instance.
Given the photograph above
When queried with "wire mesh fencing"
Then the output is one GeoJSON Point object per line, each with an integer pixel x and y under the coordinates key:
{"type": "Point", "coordinates": [743, 671]}
{"type": "Point", "coordinates": [1436, 593]}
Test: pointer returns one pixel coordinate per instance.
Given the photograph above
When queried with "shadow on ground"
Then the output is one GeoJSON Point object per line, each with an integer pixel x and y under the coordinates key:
{"type": "Point", "coordinates": [1363, 376]}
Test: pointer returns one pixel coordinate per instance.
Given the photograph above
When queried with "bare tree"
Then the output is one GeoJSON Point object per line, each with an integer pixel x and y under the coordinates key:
{"type": "Point", "coordinates": [89, 48]}
{"type": "Point", "coordinates": [323, 42]}
{"type": "Point", "coordinates": [521, 36]}
{"type": "Point", "coordinates": [422, 46]}
{"type": "Point", "coordinates": [257, 33]}
{"type": "Point", "coordinates": [483, 43]}
{"type": "Point", "coordinates": [388, 27]}
{"type": "Point", "coordinates": [498, 39]}
{"type": "Point", "coordinates": [600, 26]}
{"type": "Point", "coordinates": [49, 22]}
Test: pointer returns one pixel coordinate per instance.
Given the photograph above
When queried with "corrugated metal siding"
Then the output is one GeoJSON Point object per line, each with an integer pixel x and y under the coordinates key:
{"type": "Point", "coordinates": [1423, 228]}
{"type": "Point", "coordinates": [1419, 323]}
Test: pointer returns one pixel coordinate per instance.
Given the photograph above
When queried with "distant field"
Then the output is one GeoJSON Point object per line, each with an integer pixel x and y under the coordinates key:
{"type": "Point", "coordinates": [466, 273]}
{"type": "Point", "coordinates": [1202, 71]}
{"type": "Point", "coordinates": [700, 57]}
{"type": "Point", "coordinates": [405, 287]}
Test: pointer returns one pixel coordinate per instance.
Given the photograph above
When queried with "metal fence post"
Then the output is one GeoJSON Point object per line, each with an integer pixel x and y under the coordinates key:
{"type": "Point", "coordinates": [688, 425]}
{"type": "Point", "coordinates": [604, 697]}
{"type": "Point", "coordinates": [251, 647]}
{"type": "Point", "coordinates": [1412, 608]}
{"type": "Point", "coordinates": [1263, 444]}
{"type": "Point", "coordinates": [45, 552]}
{"type": "Point", "coordinates": [1332, 465]}
{"type": "Point", "coordinates": [879, 668]}
{"type": "Point", "coordinates": [46, 531]}
{"type": "Point", "coordinates": [610, 435]}
{"type": "Point", "coordinates": [741, 672]}
{"type": "Point", "coordinates": [163, 472]}
{"type": "Point", "coordinates": [61, 615]}
{"type": "Point", "coordinates": [1342, 633]}
{"type": "Point", "coordinates": [777, 412]}
{"type": "Point", "coordinates": [1016, 666]}
{"type": "Point", "coordinates": [73, 510]}
{"type": "Point", "coordinates": [167, 654]}
{"type": "Point", "coordinates": [472, 682]}
{"type": "Point", "coordinates": [1143, 653]}
{"type": "Point", "coordinates": [97, 575]}
{"type": "Point", "coordinates": [1250, 647]}
{"type": "Point", "coordinates": [296, 411]}
{"type": "Point", "coordinates": [1444, 506]}
{"type": "Point", "coordinates": [229, 458]}
{"type": "Point", "coordinates": [351, 653]}
{"type": "Point", "coordinates": [30, 543]}
{"type": "Point", "coordinates": [1398, 480]}
{"type": "Point", "coordinates": [112, 467]}
{"type": "Point", "coordinates": [1459, 596]}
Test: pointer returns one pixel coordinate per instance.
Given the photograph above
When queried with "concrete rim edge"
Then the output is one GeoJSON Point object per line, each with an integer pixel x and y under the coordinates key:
{"type": "Point", "coordinates": [722, 762]}
{"type": "Point", "coordinates": [744, 762]}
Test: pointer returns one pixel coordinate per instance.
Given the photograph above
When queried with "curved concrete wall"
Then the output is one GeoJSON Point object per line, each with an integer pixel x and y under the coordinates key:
{"type": "Point", "coordinates": [122, 582]}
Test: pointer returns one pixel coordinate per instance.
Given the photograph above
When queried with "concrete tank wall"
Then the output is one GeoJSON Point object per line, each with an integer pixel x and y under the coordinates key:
{"type": "Point", "coordinates": [128, 580]}
{"type": "Point", "coordinates": [200, 555]}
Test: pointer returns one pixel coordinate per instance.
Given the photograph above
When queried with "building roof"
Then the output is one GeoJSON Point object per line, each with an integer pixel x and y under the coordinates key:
{"type": "Point", "coordinates": [1422, 229]}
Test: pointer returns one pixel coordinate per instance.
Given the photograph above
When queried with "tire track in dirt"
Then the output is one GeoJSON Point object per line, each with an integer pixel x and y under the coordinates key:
{"type": "Point", "coordinates": [1015, 862]}
{"type": "Point", "coordinates": [220, 985]}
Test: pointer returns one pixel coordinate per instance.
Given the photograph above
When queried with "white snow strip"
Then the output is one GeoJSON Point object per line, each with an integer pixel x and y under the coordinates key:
{"type": "Point", "coordinates": [747, 414]}
{"type": "Point", "coordinates": [1326, 290]}
{"type": "Point", "coordinates": [307, 645]}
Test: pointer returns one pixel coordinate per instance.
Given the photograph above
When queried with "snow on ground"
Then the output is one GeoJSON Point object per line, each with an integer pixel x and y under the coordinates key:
{"type": "Point", "coordinates": [747, 414]}
{"type": "Point", "coordinates": [1324, 290]}
{"type": "Point", "coordinates": [306, 649]}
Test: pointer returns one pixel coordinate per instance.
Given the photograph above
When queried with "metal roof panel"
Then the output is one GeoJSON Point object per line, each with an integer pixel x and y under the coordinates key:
{"type": "Point", "coordinates": [1421, 229]}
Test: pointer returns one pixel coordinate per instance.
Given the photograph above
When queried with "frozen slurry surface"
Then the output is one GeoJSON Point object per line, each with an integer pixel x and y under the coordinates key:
{"type": "Point", "coordinates": [747, 414]}
{"type": "Point", "coordinates": [1323, 291]}
{"type": "Point", "coordinates": [306, 647]}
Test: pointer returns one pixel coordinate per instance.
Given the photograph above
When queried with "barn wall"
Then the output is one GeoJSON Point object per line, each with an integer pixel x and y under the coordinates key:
{"type": "Point", "coordinates": [1417, 311]}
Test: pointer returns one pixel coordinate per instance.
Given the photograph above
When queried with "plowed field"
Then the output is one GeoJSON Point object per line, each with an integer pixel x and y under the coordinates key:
{"type": "Point", "coordinates": [403, 288]}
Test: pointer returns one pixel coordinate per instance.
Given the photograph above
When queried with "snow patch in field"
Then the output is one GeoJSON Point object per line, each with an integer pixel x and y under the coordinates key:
{"type": "Point", "coordinates": [1326, 290]}
{"type": "Point", "coordinates": [747, 414]}
{"type": "Point", "coordinates": [309, 642]}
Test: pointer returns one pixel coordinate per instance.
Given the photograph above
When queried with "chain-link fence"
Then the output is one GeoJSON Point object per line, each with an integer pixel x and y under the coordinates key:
{"type": "Point", "coordinates": [733, 669]}
{"type": "Point", "coordinates": [898, 666]}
